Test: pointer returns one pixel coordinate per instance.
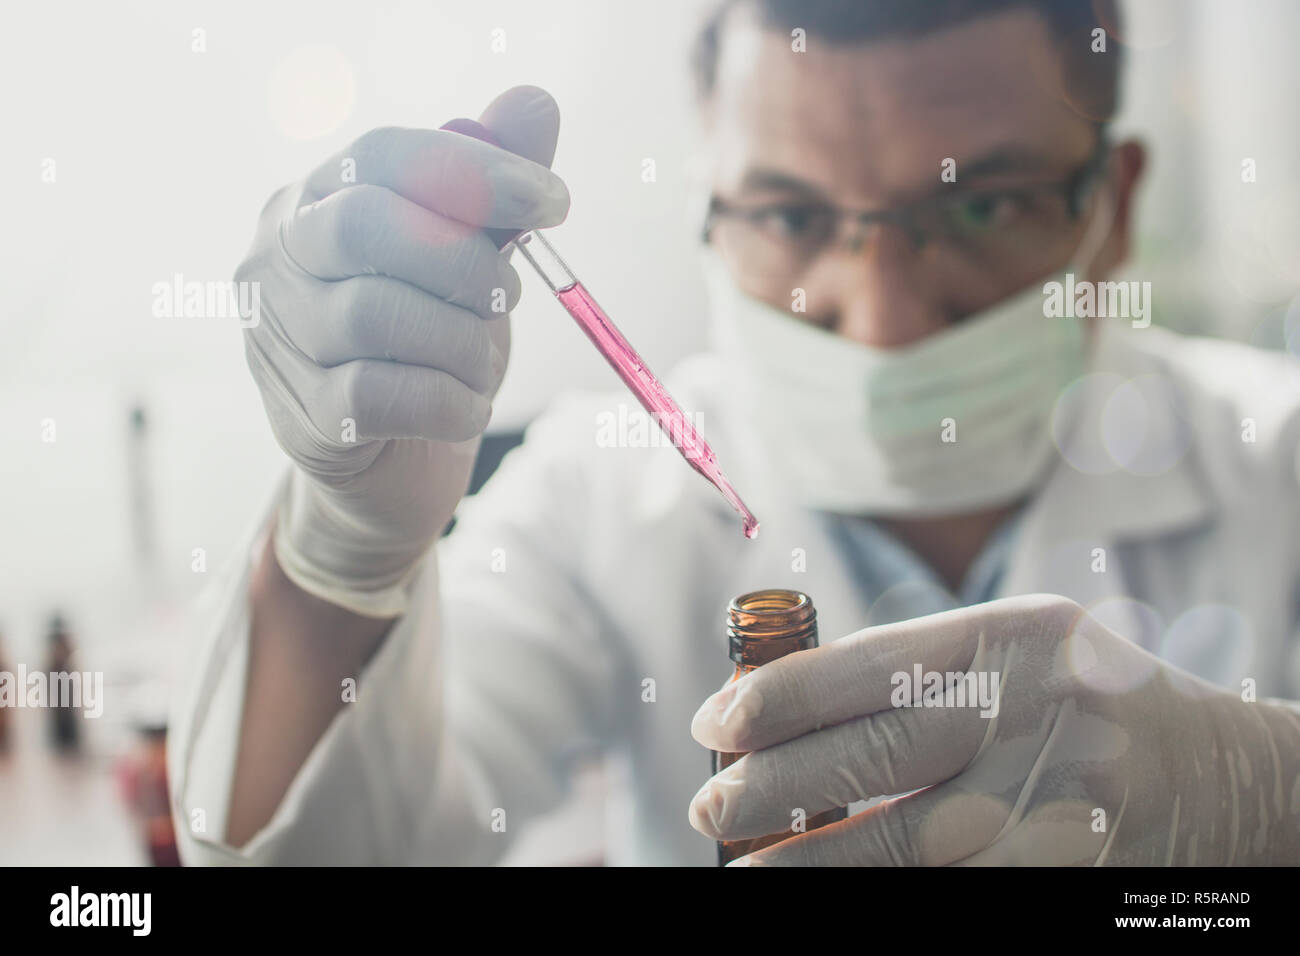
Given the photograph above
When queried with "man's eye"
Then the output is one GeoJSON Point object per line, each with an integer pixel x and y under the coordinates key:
{"type": "Point", "coordinates": [790, 221]}
{"type": "Point", "coordinates": [985, 212]}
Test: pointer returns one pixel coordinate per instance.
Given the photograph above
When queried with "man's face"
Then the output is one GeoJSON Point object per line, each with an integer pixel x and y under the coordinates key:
{"type": "Point", "coordinates": [868, 127]}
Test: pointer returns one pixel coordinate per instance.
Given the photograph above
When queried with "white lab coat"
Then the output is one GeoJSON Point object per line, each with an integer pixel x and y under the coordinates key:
{"type": "Point", "coordinates": [582, 572]}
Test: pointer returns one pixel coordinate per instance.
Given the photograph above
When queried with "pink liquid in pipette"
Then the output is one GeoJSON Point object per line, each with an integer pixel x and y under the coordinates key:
{"type": "Point", "coordinates": [651, 394]}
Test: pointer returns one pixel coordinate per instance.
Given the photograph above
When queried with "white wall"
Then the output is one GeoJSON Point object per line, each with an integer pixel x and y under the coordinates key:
{"type": "Point", "coordinates": [1211, 83]}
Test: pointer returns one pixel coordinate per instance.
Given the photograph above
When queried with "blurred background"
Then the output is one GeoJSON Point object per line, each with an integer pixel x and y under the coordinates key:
{"type": "Point", "coordinates": [144, 138]}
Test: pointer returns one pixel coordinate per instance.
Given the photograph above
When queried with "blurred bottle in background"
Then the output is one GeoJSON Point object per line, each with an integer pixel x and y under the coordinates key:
{"type": "Point", "coordinates": [142, 776]}
{"type": "Point", "coordinates": [65, 719]}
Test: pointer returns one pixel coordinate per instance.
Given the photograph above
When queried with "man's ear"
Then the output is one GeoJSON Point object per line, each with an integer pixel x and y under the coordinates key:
{"type": "Point", "coordinates": [1128, 160]}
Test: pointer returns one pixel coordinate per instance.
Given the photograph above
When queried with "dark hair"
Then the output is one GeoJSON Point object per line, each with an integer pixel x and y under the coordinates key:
{"type": "Point", "coordinates": [1093, 78]}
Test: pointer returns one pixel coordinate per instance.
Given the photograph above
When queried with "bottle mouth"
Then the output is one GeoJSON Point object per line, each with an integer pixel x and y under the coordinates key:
{"type": "Point", "coordinates": [772, 614]}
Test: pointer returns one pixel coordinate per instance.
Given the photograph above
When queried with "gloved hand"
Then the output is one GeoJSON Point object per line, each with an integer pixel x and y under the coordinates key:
{"type": "Point", "coordinates": [383, 337]}
{"type": "Point", "coordinates": [1095, 752]}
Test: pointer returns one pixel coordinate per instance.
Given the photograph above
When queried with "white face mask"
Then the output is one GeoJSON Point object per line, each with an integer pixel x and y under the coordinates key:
{"type": "Point", "coordinates": [958, 421]}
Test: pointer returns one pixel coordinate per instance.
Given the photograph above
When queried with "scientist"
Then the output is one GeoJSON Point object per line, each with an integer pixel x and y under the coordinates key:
{"type": "Point", "coordinates": [1097, 514]}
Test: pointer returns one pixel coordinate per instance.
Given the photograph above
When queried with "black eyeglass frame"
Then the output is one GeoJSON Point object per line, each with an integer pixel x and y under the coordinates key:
{"type": "Point", "coordinates": [1076, 189]}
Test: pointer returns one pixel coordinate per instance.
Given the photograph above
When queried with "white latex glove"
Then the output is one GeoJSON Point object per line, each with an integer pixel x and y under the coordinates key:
{"type": "Point", "coordinates": [1099, 753]}
{"type": "Point", "coordinates": [383, 304]}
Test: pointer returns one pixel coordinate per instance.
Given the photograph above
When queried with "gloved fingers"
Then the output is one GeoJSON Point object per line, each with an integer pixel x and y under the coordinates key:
{"type": "Point", "coordinates": [369, 230]}
{"type": "Point", "coordinates": [934, 827]}
{"type": "Point", "coordinates": [448, 173]}
{"type": "Point", "coordinates": [526, 121]}
{"type": "Point", "coordinates": [865, 672]}
{"type": "Point", "coordinates": [286, 379]}
{"type": "Point", "coordinates": [391, 400]}
{"type": "Point", "coordinates": [499, 332]}
{"type": "Point", "coordinates": [378, 317]}
{"type": "Point", "coordinates": [881, 754]}
{"type": "Point", "coordinates": [325, 417]}
{"type": "Point", "coordinates": [847, 678]}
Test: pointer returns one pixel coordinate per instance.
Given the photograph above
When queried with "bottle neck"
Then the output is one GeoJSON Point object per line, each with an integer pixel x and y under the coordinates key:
{"type": "Point", "coordinates": [763, 626]}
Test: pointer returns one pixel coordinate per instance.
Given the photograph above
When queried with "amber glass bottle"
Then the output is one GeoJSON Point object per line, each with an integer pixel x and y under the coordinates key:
{"type": "Point", "coordinates": [761, 627]}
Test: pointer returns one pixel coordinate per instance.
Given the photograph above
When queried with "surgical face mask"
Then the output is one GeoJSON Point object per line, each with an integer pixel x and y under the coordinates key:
{"type": "Point", "coordinates": [956, 422]}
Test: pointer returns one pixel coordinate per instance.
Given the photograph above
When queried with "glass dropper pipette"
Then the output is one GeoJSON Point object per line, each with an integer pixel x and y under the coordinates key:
{"type": "Point", "coordinates": [636, 375]}
{"type": "Point", "coordinates": [616, 349]}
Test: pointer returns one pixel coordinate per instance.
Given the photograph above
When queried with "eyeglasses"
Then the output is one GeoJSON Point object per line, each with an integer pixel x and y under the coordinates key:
{"type": "Point", "coordinates": [1020, 229]}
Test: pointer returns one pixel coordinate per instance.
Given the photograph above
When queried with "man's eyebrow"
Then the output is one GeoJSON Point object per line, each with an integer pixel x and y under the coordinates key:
{"type": "Point", "coordinates": [1011, 158]}
{"type": "Point", "coordinates": [1008, 159]}
{"type": "Point", "coordinates": [774, 180]}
